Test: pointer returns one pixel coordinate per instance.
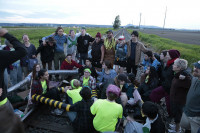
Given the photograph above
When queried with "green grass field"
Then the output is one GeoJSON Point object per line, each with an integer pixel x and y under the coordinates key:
{"type": "Point", "coordinates": [190, 52]}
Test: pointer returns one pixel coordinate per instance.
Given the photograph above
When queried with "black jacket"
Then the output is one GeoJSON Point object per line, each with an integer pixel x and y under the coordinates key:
{"type": "Point", "coordinates": [167, 77]}
{"type": "Point", "coordinates": [83, 43]}
{"type": "Point", "coordinates": [145, 89]}
{"type": "Point", "coordinates": [9, 57]}
{"type": "Point", "coordinates": [158, 126]}
{"type": "Point", "coordinates": [46, 52]}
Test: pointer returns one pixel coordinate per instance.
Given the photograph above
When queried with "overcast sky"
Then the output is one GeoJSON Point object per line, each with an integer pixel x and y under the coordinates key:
{"type": "Point", "coordinates": [180, 13]}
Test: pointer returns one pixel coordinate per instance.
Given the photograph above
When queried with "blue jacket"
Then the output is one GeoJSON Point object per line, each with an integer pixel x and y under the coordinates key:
{"type": "Point", "coordinates": [104, 76]}
{"type": "Point", "coordinates": [60, 40]}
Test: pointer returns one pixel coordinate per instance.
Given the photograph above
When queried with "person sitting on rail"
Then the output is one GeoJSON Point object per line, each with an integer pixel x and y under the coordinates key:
{"type": "Point", "coordinates": [83, 122]}
{"type": "Point", "coordinates": [121, 55]}
{"type": "Point", "coordinates": [107, 72]}
{"type": "Point", "coordinates": [41, 87]}
{"type": "Point", "coordinates": [69, 64]}
{"type": "Point", "coordinates": [32, 76]}
{"type": "Point", "coordinates": [9, 122]}
{"type": "Point", "coordinates": [88, 80]}
{"type": "Point", "coordinates": [73, 92]}
{"type": "Point", "coordinates": [73, 96]}
{"type": "Point", "coordinates": [150, 82]}
{"type": "Point", "coordinates": [47, 52]}
{"type": "Point", "coordinates": [88, 65]}
{"type": "Point", "coordinates": [107, 111]}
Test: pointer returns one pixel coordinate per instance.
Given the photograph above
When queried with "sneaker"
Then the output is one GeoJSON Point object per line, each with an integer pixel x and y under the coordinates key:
{"type": "Point", "coordinates": [58, 111]}
{"type": "Point", "coordinates": [172, 126]}
{"type": "Point", "coordinates": [174, 131]}
{"type": "Point", "coordinates": [171, 131]}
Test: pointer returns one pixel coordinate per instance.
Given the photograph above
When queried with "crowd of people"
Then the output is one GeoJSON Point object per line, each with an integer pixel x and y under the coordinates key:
{"type": "Point", "coordinates": [105, 93]}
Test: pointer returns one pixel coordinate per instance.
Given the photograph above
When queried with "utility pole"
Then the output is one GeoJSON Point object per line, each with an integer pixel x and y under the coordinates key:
{"type": "Point", "coordinates": [165, 18]}
{"type": "Point", "coordinates": [140, 20]}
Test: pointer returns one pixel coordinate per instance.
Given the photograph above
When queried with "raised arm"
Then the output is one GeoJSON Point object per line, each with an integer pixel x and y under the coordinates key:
{"type": "Point", "coordinates": [9, 57]}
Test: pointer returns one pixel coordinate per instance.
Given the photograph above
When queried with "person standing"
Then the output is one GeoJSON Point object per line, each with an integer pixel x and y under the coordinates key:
{"type": "Point", "coordinates": [134, 52]}
{"type": "Point", "coordinates": [31, 55]}
{"type": "Point", "coordinates": [191, 115]}
{"type": "Point", "coordinates": [47, 52]}
{"type": "Point", "coordinates": [9, 122]}
{"type": "Point", "coordinates": [71, 47]}
{"type": "Point", "coordinates": [60, 39]}
{"type": "Point", "coordinates": [97, 51]}
{"type": "Point", "coordinates": [179, 90]}
{"type": "Point", "coordinates": [109, 44]}
{"type": "Point", "coordinates": [82, 45]}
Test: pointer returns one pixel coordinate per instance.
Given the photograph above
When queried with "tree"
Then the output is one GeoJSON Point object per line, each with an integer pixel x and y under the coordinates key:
{"type": "Point", "coordinates": [117, 22]}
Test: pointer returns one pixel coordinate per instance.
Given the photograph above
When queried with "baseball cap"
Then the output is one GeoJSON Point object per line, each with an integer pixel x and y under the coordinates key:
{"type": "Point", "coordinates": [197, 64]}
{"type": "Point", "coordinates": [121, 38]}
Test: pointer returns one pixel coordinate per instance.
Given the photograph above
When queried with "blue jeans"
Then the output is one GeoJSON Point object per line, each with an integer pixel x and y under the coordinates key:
{"type": "Point", "coordinates": [83, 57]}
{"type": "Point", "coordinates": [72, 115]}
{"type": "Point", "coordinates": [15, 75]}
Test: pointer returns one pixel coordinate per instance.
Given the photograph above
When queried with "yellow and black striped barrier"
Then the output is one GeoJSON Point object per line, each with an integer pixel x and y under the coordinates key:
{"type": "Point", "coordinates": [94, 91]}
{"type": "Point", "coordinates": [61, 89]}
{"type": "Point", "coordinates": [51, 102]}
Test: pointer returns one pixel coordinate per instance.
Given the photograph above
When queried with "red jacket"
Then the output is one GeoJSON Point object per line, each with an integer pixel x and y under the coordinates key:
{"type": "Point", "coordinates": [69, 66]}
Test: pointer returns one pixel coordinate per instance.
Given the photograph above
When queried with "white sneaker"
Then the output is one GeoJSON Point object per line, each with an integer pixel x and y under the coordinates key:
{"type": "Point", "coordinates": [172, 126]}
{"type": "Point", "coordinates": [171, 131]}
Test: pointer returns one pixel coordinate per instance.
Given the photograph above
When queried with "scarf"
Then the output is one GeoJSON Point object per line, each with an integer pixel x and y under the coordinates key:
{"type": "Point", "coordinates": [169, 62]}
{"type": "Point", "coordinates": [109, 45]}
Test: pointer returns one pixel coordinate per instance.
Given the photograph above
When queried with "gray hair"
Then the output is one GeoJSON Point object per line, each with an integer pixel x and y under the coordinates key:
{"type": "Point", "coordinates": [181, 63]}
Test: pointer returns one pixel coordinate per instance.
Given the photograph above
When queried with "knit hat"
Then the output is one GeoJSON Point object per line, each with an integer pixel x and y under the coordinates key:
{"type": "Point", "coordinates": [113, 89]}
{"type": "Point", "coordinates": [98, 34]}
{"type": "Point", "coordinates": [174, 53]}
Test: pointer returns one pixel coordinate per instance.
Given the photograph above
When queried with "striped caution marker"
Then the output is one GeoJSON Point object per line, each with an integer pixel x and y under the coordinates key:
{"type": "Point", "coordinates": [94, 93]}
{"type": "Point", "coordinates": [51, 102]}
{"type": "Point", "coordinates": [61, 89]}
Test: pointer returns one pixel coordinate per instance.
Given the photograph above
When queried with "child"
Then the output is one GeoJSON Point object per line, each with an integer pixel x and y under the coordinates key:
{"type": "Point", "coordinates": [107, 111]}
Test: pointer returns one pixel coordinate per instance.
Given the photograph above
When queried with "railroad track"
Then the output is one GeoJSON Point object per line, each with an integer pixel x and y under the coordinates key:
{"type": "Point", "coordinates": [40, 119]}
